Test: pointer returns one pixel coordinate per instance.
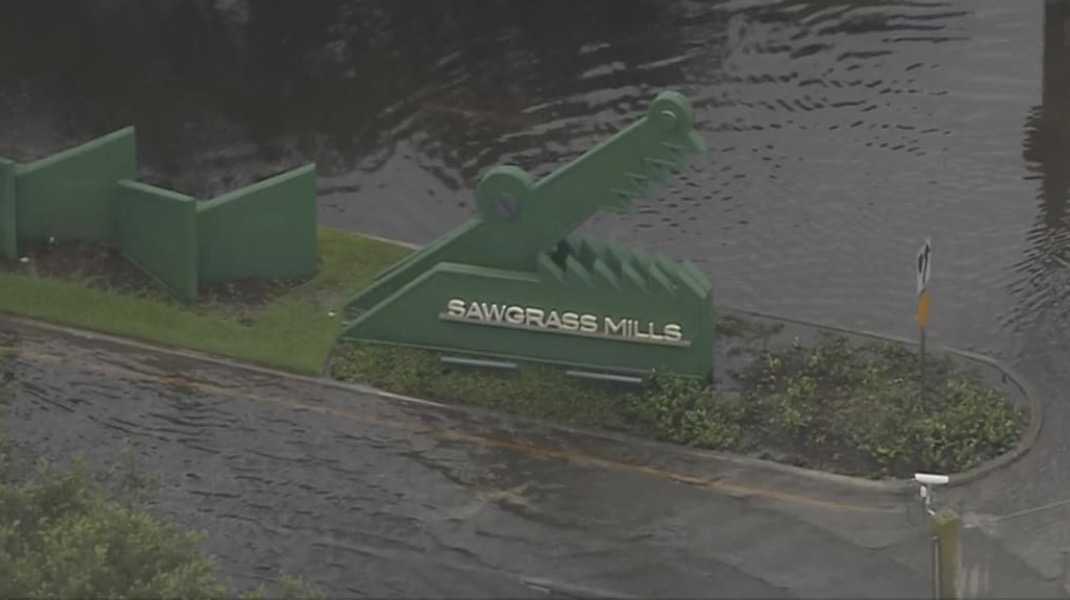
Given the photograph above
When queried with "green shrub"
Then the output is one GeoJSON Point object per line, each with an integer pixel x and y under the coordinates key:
{"type": "Point", "coordinates": [61, 538]}
{"type": "Point", "coordinates": [535, 391]}
{"type": "Point", "coordinates": [853, 408]}
{"type": "Point", "coordinates": [865, 398]}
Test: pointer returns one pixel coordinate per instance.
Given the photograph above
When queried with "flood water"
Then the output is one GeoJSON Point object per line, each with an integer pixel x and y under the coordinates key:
{"type": "Point", "coordinates": [373, 497]}
{"type": "Point", "coordinates": [841, 134]}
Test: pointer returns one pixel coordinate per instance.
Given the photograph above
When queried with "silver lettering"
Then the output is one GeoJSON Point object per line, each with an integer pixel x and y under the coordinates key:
{"type": "Point", "coordinates": [654, 335]}
{"type": "Point", "coordinates": [474, 312]}
{"type": "Point", "coordinates": [619, 328]}
{"type": "Point", "coordinates": [643, 335]}
{"type": "Point", "coordinates": [553, 320]}
{"type": "Point", "coordinates": [673, 332]}
{"type": "Point", "coordinates": [455, 307]}
{"type": "Point", "coordinates": [534, 317]}
{"type": "Point", "coordinates": [493, 312]}
{"type": "Point", "coordinates": [570, 321]}
{"type": "Point", "coordinates": [514, 315]}
{"type": "Point", "coordinates": [538, 318]}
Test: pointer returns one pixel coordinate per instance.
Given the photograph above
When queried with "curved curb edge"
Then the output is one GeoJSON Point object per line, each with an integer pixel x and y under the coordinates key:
{"type": "Point", "coordinates": [1028, 439]}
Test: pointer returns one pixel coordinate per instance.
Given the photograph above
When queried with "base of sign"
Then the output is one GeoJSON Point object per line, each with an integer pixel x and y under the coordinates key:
{"type": "Point", "coordinates": [520, 316]}
{"type": "Point", "coordinates": [605, 377]}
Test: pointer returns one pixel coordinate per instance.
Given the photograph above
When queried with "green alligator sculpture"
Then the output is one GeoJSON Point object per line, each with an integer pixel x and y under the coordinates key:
{"type": "Point", "coordinates": [515, 283]}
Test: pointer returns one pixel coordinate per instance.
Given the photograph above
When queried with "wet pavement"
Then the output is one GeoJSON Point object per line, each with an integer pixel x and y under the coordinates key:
{"type": "Point", "coordinates": [373, 496]}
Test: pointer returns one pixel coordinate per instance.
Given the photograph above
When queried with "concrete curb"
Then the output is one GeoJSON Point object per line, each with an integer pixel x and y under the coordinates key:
{"type": "Point", "coordinates": [408, 245]}
{"type": "Point", "coordinates": [215, 359]}
{"type": "Point", "coordinates": [1029, 438]}
{"type": "Point", "coordinates": [884, 486]}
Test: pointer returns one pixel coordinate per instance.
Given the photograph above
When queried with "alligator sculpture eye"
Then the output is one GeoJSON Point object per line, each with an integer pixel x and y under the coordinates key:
{"type": "Point", "coordinates": [507, 207]}
{"type": "Point", "coordinates": [502, 193]}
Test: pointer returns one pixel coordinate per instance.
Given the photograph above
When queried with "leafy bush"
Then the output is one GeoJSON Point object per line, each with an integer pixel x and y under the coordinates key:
{"type": "Point", "coordinates": [851, 408]}
{"type": "Point", "coordinates": [684, 411]}
{"type": "Point", "coordinates": [63, 536]}
{"type": "Point", "coordinates": [534, 391]}
{"type": "Point", "coordinates": [835, 397]}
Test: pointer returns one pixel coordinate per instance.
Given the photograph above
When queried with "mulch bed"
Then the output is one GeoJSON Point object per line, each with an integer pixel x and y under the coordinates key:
{"type": "Point", "coordinates": [102, 266]}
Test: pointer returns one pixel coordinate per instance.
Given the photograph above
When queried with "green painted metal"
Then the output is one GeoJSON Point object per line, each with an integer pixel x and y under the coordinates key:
{"type": "Point", "coordinates": [157, 231]}
{"type": "Point", "coordinates": [71, 195]}
{"type": "Point", "coordinates": [8, 239]}
{"type": "Point", "coordinates": [518, 252]}
{"type": "Point", "coordinates": [264, 230]}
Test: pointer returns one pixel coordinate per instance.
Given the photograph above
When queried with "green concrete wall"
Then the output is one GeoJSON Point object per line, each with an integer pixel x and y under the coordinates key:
{"type": "Point", "coordinates": [8, 241]}
{"type": "Point", "coordinates": [71, 195]}
{"type": "Point", "coordinates": [157, 231]}
{"type": "Point", "coordinates": [412, 317]}
{"type": "Point", "coordinates": [266, 230]}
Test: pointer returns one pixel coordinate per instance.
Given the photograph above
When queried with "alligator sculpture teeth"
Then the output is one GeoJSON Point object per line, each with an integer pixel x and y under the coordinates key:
{"type": "Point", "coordinates": [520, 247]}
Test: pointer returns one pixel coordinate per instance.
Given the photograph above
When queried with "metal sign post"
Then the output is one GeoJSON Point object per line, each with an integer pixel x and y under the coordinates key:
{"type": "Point", "coordinates": [924, 270]}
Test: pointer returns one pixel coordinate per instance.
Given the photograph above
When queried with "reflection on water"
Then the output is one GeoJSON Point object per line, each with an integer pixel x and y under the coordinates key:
{"type": "Point", "coordinates": [808, 108]}
{"type": "Point", "coordinates": [243, 86]}
{"type": "Point", "coordinates": [1045, 267]}
{"type": "Point", "coordinates": [842, 133]}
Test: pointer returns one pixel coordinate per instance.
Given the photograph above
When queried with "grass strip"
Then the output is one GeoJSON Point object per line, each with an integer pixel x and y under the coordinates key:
{"type": "Point", "coordinates": [293, 331]}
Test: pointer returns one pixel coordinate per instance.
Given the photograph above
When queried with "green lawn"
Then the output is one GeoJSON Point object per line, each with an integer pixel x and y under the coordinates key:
{"type": "Point", "coordinates": [293, 332]}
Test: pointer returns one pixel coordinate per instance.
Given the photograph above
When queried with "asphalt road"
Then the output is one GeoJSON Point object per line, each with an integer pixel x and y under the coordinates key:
{"type": "Point", "coordinates": [368, 495]}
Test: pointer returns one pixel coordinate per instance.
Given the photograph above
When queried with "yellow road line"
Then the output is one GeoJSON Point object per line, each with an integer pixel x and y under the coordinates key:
{"type": "Point", "coordinates": [529, 449]}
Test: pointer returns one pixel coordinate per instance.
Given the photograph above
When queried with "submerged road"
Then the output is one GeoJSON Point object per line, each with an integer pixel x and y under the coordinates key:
{"type": "Point", "coordinates": [369, 495]}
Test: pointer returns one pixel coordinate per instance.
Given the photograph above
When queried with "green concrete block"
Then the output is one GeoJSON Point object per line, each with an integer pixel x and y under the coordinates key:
{"type": "Point", "coordinates": [519, 251]}
{"type": "Point", "coordinates": [8, 237]}
{"type": "Point", "coordinates": [71, 195]}
{"type": "Point", "coordinates": [157, 231]}
{"type": "Point", "coordinates": [266, 230]}
{"type": "Point", "coordinates": [511, 315]}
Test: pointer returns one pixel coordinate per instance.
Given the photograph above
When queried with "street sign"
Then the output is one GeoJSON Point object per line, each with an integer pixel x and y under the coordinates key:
{"type": "Point", "coordinates": [923, 310]}
{"type": "Point", "coordinates": [924, 264]}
